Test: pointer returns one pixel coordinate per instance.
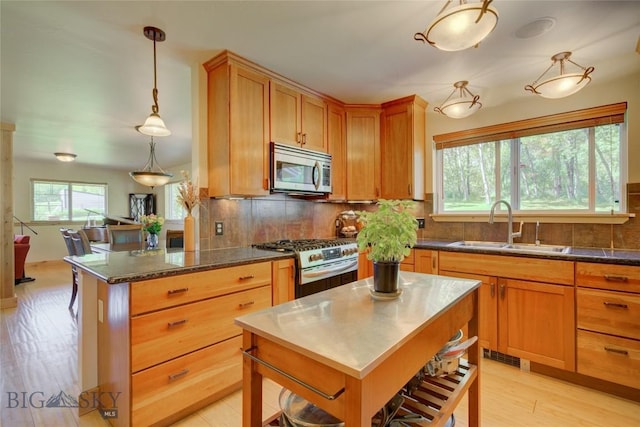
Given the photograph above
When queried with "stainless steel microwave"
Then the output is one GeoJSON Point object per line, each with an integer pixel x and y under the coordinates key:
{"type": "Point", "coordinates": [299, 170]}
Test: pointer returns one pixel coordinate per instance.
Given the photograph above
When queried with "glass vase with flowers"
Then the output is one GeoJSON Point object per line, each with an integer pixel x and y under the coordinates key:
{"type": "Point", "coordinates": [152, 224]}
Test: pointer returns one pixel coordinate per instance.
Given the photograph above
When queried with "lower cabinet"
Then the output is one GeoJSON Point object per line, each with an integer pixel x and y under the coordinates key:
{"type": "Point", "coordinates": [608, 321]}
{"type": "Point", "coordinates": [172, 341]}
{"type": "Point", "coordinates": [523, 318]}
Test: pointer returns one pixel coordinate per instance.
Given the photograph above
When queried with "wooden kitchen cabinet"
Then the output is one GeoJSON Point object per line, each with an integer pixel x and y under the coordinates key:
{"type": "Point", "coordinates": [298, 118]}
{"type": "Point", "coordinates": [283, 281]}
{"type": "Point", "coordinates": [402, 148]}
{"type": "Point", "coordinates": [608, 322]}
{"type": "Point", "coordinates": [365, 266]}
{"type": "Point", "coordinates": [337, 147]}
{"type": "Point", "coordinates": [408, 263]}
{"type": "Point", "coordinates": [363, 153]}
{"type": "Point", "coordinates": [170, 345]}
{"type": "Point", "coordinates": [426, 261]}
{"type": "Point", "coordinates": [526, 305]}
{"type": "Point", "coordinates": [238, 127]}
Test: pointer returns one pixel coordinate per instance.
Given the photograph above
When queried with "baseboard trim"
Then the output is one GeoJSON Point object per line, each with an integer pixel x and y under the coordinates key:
{"type": "Point", "coordinates": [10, 302]}
{"type": "Point", "coordinates": [91, 392]}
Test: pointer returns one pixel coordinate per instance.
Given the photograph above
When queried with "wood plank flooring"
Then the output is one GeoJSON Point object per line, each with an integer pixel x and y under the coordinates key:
{"type": "Point", "coordinates": [38, 359]}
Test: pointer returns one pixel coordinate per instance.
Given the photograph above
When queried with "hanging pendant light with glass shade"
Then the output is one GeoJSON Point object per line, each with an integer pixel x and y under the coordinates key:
{"type": "Point", "coordinates": [154, 125]}
{"type": "Point", "coordinates": [151, 175]}
{"type": "Point", "coordinates": [564, 84]}
{"type": "Point", "coordinates": [460, 27]}
{"type": "Point", "coordinates": [461, 106]}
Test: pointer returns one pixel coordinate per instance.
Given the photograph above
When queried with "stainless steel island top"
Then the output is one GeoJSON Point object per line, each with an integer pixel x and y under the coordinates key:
{"type": "Point", "coordinates": [347, 329]}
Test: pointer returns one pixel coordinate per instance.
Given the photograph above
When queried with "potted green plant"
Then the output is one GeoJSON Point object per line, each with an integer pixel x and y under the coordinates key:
{"type": "Point", "coordinates": [387, 235]}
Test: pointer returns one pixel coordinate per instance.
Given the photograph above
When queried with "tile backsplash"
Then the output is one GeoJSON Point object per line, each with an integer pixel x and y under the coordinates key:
{"type": "Point", "coordinates": [249, 221]}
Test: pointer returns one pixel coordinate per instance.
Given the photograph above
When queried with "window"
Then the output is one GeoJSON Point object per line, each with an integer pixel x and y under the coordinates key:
{"type": "Point", "coordinates": [172, 209]}
{"type": "Point", "coordinates": [569, 162]}
{"type": "Point", "coordinates": [67, 201]}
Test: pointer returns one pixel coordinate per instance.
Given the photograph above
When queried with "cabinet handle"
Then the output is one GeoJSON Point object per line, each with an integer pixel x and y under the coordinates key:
{"type": "Point", "coordinates": [180, 374]}
{"type": "Point", "coordinates": [409, 189]}
{"type": "Point", "coordinates": [177, 291]}
{"type": "Point", "coordinates": [246, 304]}
{"type": "Point", "coordinates": [615, 304]}
{"type": "Point", "coordinates": [493, 290]}
{"type": "Point", "coordinates": [433, 264]}
{"type": "Point", "coordinates": [251, 276]}
{"type": "Point", "coordinates": [502, 289]}
{"type": "Point", "coordinates": [304, 139]}
{"type": "Point", "coordinates": [616, 350]}
{"type": "Point", "coordinates": [610, 278]}
{"type": "Point", "coordinates": [176, 323]}
{"type": "Point", "coordinates": [299, 138]}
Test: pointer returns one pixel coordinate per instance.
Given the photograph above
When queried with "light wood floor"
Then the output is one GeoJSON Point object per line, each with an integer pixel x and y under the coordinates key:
{"type": "Point", "coordinates": [38, 359]}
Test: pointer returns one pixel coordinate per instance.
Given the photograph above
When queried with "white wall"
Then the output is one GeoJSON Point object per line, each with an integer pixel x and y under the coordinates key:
{"type": "Point", "coordinates": [48, 245]}
{"type": "Point", "coordinates": [625, 88]}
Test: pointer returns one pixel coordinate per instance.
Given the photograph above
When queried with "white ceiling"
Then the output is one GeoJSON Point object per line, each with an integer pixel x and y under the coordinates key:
{"type": "Point", "coordinates": [76, 76]}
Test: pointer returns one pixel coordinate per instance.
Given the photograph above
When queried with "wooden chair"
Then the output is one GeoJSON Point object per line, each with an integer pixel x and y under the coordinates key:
{"type": "Point", "coordinates": [125, 233]}
{"type": "Point", "coordinates": [74, 271]}
{"type": "Point", "coordinates": [175, 238]}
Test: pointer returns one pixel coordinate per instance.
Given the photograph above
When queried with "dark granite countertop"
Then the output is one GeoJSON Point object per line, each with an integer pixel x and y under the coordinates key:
{"type": "Point", "coordinates": [600, 255]}
{"type": "Point", "coordinates": [135, 265]}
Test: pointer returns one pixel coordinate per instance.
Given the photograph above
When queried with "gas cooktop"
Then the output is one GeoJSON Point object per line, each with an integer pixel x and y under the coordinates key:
{"type": "Point", "coordinates": [303, 244]}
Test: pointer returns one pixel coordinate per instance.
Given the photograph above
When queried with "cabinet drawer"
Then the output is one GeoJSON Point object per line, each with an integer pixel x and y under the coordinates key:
{"type": "Point", "coordinates": [409, 259]}
{"type": "Point", "coordinates": [609, 358]}
{"type": "Point", "coordinates": [150, 295]}
{"type": "Point", "coordinates": [163, 335]}
{"type": "Point", "coordinates": [614, 313]}
{"type": "Point", "coordinates": [624, 278]}
{"type": "Point", "coordinates": [164, 390]}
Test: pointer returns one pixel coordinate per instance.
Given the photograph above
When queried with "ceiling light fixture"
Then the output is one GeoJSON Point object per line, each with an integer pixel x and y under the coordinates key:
{"type": "Point", "coordinates": [150, 175]}
{"type": "Point", "coordinates": [154, 126]}
{"type": "Point", "coordinates": [65, 157]}
{"type": "Point", "coordinates": [460, 27]}
{"type": "Point", "coordinates": [564, 84]}
{"type": "Point", "coordinates": [463, 105]}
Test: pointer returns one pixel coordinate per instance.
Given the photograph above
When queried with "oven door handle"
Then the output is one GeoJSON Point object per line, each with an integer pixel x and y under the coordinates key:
{"type": "Point", "coordinates": [330, 270]}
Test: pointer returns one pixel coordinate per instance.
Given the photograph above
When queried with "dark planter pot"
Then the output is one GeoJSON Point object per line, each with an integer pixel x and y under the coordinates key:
{"type": "Point", "coordinates": [385, 276]}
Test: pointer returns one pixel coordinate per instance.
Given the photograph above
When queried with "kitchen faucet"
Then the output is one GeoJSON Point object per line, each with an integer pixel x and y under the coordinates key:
{"type": "Point", "coordinates": [510, 233]}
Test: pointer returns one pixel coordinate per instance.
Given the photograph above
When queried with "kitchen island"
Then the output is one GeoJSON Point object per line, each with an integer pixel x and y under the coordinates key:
{"type": "Point", "coordinates": [349, 353]}
{"type": "Point", "coordinates": [156, 338]}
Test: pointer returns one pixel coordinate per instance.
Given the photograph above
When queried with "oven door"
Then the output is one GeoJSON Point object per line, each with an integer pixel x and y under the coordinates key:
{"type": "Point", "coordinates": [320, 278]}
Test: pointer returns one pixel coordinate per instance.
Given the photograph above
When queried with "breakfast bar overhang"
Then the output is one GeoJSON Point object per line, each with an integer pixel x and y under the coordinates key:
{"type": "Point", "coordinates": [349, 353]}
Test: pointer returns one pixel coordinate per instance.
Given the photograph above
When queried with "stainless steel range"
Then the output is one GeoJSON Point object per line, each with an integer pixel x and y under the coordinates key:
{"type": "Point", "coordinates": [320, 264]}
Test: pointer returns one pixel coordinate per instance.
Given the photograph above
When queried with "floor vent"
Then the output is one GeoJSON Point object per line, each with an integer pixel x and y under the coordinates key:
{"type": "Point", "coordinates": [501, 357]}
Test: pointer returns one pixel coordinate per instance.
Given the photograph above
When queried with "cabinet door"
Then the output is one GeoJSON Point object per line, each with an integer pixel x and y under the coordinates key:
{"type": "Point", "coordinates": [314, 123]}
{"type": "Point", "coordinates": [426, 261]}
{"type": "Point", "coordinates": [249, 133]}
{"type": "Point", "coordinates": [537, 322]}
{"type": "Point", "coordinates": [337, 148]}
{"type": "Point", "coordinates": [285, 114]}
{"type": "Point", "coordinates": [363, 154]}
{"type": "Point", "coordinates": [488, 308]}
{"type": "Point", "coordinates": [402, 148]}
{"type": "Point", "coordinates": [283, 281]}
{"type": "Point", "coordinates": [365, 267]}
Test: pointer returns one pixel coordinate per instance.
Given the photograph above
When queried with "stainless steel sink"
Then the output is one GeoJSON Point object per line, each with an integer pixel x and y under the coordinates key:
{"type": "Point", "coordinates": [516, 247]}
{"type": "Point", "coordinates": [531, 247]}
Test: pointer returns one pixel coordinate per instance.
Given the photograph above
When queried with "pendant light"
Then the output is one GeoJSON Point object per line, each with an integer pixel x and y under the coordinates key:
{"type": "Point", "coordinates": [151, 174]}
{"type": "Point", "coordinates": [154, 125]}
{"type": "Point", "coordinates": [564, 84]}
{"type": "Point", "coordinates": [65, 157]}
{"type": "Point", "coordinates": [460, 27]}
{"type": "Point", "coordinates": [461, 106]}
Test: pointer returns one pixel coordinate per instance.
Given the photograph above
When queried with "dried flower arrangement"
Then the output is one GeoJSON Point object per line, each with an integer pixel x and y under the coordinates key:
{"type": "Point", "coordinates": [188, 195]}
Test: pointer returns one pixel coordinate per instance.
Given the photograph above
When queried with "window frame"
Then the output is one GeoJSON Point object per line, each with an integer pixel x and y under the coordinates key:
{"type": "Point", "coordinates": [170, 202]}
{"type": "Point", "coordinates": [70, 184]}
{"type": "Point", "coordinates": [579, 119]}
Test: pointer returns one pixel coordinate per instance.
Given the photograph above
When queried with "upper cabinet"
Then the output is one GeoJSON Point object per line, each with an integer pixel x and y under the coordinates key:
{"type": "Point", "coordinates": [363, 153]}
{"type": "Point", "coordinates": [336, 133]}
{"type": "Point", "coordinates": [402, 148]}
{"type": "Point", "coordinates": [238, 128]}
{"type": "Point", "coordinates": [298, 118]}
